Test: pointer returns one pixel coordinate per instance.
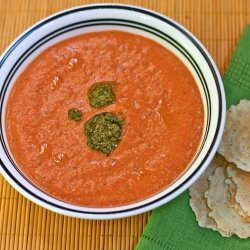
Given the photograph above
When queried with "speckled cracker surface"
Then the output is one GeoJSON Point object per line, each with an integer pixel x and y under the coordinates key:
{"type": "Point", "coordinates": [233, 203]}
{"type": "Point", "coordinates": [198, 202]}
{"type": "Point", "coordinates": [235, 143]}
{"type": "Point", "coordinates": [242, 180]}
{"type": "Point", "coordinates": [218, 198]}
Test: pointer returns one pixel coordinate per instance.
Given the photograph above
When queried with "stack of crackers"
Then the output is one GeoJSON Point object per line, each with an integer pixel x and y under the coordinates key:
{"type": "Point", "coordinates": [220, 198]}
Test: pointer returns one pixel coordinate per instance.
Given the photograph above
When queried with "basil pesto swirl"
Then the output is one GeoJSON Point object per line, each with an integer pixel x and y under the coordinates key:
{"type": "Point", "coordinates": [103, 132]}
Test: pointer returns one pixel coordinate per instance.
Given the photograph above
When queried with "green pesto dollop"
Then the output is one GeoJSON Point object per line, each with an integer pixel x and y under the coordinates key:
{"type": "Point", "coordinates": [75, 114]}
{"type": "Point", "coordinates": [101, 95]}
{"type": "Point", "coordinates": [103, 132]}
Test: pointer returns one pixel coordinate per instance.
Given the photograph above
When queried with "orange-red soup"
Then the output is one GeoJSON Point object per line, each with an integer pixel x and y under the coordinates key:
{"type": "Point", "coordinates": [156, 95]}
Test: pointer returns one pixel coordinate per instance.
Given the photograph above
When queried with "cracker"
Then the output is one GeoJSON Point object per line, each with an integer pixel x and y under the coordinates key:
{"type": "Point", "coordinates": [224, 147]}
{"type": "Point", "coordinates": [218, 198]}
{"type": "Point", "coordinates": [233, 203]}
{"type": "Point", "coordinates": [241, 146]}
{"type": "Point", "coordinates": [242, 181]}
{"type": "Point", "coordinates": [234, 145]}
{"type": "Point", "coordinates": [198, 202]}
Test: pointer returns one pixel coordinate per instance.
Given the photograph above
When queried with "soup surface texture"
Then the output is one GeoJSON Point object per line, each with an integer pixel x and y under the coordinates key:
{"type": "Point", "coordinates": [156, 95]}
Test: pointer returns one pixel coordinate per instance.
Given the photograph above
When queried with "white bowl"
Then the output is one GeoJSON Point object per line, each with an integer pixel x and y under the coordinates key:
{"type": "Point", "coordinates": [132, 19]}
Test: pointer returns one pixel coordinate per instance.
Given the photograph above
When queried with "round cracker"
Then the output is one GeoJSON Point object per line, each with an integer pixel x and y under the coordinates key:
{"type": "Point", "coordinates": [242, 181]}
{"type": "Point", "coordinates": [233, 203]}
{"type": "Point", "coordinates": [198, 202]}
{"type": "Point", "coordinates": [233, 145]}
{"type": "Point", "coordinates": [224, 147]}
{"type": "Point", "coordinates": [241, 147]}
{"type": "Point", "coordinates": [218, 198]}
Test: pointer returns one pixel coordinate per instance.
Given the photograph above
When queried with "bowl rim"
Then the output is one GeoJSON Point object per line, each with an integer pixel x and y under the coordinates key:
{"type": "Point", "coordinates": [185, 184]}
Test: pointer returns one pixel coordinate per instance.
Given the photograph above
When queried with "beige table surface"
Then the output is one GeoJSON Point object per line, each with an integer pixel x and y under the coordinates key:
{"type": "Point", "coordinates": [218, 24]}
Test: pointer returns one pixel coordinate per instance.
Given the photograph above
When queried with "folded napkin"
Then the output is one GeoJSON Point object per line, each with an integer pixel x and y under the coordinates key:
{"type": "Point", "coordinates": [173, 225]}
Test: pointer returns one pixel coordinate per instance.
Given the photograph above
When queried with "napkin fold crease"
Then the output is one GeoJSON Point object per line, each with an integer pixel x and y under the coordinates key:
{"type": "Point", "coordinates": [173, 226]}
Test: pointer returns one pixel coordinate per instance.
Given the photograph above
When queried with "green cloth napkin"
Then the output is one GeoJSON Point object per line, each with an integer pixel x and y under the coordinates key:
{"type": "Point", "coordinates": [173, 225]}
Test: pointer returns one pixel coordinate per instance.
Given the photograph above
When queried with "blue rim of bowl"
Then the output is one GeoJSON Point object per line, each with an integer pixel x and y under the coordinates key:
{"type": "Point", "coordinates": [113, 22]}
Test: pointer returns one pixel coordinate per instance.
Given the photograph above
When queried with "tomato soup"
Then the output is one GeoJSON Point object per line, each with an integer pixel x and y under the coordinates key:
{"type": "Point", "coordinates": [156, 95]}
